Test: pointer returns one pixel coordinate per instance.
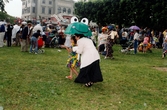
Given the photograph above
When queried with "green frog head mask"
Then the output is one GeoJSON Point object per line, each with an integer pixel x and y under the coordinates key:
{"type": "Point", "coordinates": [78, 27]}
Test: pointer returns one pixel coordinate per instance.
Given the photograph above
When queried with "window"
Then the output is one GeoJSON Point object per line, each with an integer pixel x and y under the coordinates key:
{"type": "Point", "coordinates": [69, 11]}
{"type": "Point", "coordinates": [50, 11]}
{"type": "Point", "coordinates": [28, 10]}
{"type": "Point", "coordinates": [25, 4]}
{"type": "Point", "coordinates": [33, 9]}
{"type": "Point", "coordinates": [59, 10]}
{"type": "Point", "coordinates": [64, 10]}
{"type": "Point", "coordinates": [50, 2]}
{"type": "Point", "coordinates": [43, 10]}
{"type": "Point", "coordinates": [23, 11]}
{"type": "Point", "coordinates": [43, 1]}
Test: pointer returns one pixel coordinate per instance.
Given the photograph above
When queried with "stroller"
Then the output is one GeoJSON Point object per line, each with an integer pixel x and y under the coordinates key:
{"type": "Point", "coordinates": [54, 43]}
{"type": "Point", "coordinates": [127, 47]}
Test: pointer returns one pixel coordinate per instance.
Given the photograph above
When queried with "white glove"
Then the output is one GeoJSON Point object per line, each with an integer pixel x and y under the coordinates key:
{"type": "Point", "coordinates": [78, 58]}
{"type": "Point", "coordinates": [74, 48]}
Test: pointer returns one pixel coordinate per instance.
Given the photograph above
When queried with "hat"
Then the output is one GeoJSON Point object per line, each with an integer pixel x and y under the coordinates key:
{"type": "Point", "coordinates": [29, 22]}
{"type": "Point", "coordinates": [110, 27]}
{"type": "Point", "coordinates": [104, 29]}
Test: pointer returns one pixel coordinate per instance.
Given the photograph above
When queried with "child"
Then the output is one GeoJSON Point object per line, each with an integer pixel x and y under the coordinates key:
{"type": "Point", "coordinates": [145, 44]}
{"type": "Point", "coordinates": [72, 62]}
{"type": "Point", "coordinates": [155, 42]}
{"type": "Point", "coordinates": [164, 45]}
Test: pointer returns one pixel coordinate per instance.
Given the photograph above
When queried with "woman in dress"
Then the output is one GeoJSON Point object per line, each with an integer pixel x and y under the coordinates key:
{"type": "Point", "coordinates": [90, 71]}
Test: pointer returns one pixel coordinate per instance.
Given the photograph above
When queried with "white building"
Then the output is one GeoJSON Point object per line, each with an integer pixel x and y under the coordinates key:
{"type": "Point", "coordinates": [36, 9]}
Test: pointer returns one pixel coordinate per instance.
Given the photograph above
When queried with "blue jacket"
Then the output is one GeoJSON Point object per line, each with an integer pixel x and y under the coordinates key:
{"type": "Point", "coordinates": [24, 33]}
{"type": "Point", "coordinates": [2, 28]}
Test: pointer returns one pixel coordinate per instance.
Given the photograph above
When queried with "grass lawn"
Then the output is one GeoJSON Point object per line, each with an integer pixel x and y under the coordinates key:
{"type": "Point", "coordinates": [37, 82]}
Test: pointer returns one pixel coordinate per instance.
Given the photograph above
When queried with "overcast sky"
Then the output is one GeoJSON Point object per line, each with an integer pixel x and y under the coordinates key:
{"type": "Point", "coordinates": [14, 8]}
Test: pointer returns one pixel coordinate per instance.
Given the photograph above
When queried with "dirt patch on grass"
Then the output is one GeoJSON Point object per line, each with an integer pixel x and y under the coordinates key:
{"type": "Point", "coordinates": [161, 68]}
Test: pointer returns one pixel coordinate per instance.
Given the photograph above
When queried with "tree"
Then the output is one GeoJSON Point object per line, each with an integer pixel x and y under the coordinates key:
{"type": "Point", "coordinates": [2, 5]}
{"type": "Point", "coordinates": [144, 13]}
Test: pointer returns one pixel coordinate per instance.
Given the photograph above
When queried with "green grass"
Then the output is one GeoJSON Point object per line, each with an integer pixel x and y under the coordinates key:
{"type": "Point", "coordinates": [37, 82]}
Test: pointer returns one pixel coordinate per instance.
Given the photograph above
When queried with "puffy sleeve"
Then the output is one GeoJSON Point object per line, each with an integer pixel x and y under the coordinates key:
{"type": "Point", "coordinates": [80, 47]}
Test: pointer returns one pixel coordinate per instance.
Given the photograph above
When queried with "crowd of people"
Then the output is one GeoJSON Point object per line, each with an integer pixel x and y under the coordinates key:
{"type": "Point", "coordinates": [144, 38]}
{"type": "Point", "coordinates": [26, 35]}
{"type": "Point", "coordinates": [83, 50]}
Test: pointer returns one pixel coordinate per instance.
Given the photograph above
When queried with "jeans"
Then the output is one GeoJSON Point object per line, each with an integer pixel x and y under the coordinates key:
{"type": "Point", "coordinates": [34, 44]}
{"type": "Point", "coordinates": [135, 46]}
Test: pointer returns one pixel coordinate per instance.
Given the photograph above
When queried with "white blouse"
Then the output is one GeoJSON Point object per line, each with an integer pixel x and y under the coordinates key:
{"type": "Point", "coordinates": [88, 52]}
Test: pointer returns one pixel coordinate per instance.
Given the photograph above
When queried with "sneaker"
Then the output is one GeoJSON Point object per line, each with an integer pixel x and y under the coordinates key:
{"type": "Point", "coordinates": [36, 53]}
{"type": "Point", "coordinates": [106, 57]}
{"type": "Point", "coordinates": [163, 55]}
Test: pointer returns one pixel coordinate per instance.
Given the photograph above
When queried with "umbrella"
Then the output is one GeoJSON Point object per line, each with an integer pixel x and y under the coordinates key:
{"type": "Point", "coordinates": [37, 27]}
{"type": "Point", "coordinates": [78, 28]}
{"type": "Point", "coordinates": [24, 23]}
{"type": "Point", "coordinates": [134, 28]}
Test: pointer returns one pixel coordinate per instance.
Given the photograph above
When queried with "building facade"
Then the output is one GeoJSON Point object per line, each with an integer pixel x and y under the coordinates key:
{"type": "Point", "coordinates": [43, 9]}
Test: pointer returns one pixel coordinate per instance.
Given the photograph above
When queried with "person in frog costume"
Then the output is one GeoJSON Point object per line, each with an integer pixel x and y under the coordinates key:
{"type": "Point", "coordinates": [90, 71]}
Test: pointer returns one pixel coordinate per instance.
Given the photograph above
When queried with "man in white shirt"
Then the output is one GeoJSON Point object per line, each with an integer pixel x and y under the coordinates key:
{"type": "Point", "coordinates": [135, 38]}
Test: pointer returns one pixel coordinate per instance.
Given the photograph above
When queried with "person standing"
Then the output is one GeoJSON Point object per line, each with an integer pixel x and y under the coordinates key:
{"type": "Point", "coordinates": [94, 36]}
{"type": "Point", "coordinates": [15, 30]}
{"type": "Point", "coordinates": [25, 38]}
{"type": "Point", "coordinates": [90, 71]}
{"type": "Point", "coordinates": [61, 37]}
{"type": "Point", "coordinates": [9, 34]}
{"type": "Point", "coordinates": [135, 38]}
{"type": "Point", "coordinates": [102, 40]}
{"type": "Point", "coordinates": [164, 48]}
{"type": "Point", "coordinates": [110, 43]}
{"type": "Point", "coordinates": [19, 34]}
{"type": "Point", "coordinates": [2, 33]}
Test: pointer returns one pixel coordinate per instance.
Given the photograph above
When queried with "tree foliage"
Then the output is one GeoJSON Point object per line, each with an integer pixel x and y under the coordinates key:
{"type": "Point", "coordinates": [2, 5]}
{"type": "Point", "coordinates": [144, 13]}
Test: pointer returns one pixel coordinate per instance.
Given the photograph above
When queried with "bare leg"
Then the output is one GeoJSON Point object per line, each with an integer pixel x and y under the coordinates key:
{"type": "Point", "coordinates": [70, 76]}
{"type": "Point", "coordinates": [75, 71]}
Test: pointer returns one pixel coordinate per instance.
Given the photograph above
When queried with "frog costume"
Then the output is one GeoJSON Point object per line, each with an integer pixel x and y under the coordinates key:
{"type": "Point", "coordinates": [77, 27]}
{"type": "Point", "coordinates": [90, 71]}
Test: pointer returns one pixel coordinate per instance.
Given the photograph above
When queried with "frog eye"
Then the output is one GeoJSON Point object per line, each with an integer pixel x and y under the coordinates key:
{"type": "Point", "coordinates": [74, 19]}
{"type": "Point", "coordinates": [85, 21]}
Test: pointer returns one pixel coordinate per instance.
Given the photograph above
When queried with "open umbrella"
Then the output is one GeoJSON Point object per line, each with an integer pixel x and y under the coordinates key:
{"type": "Point", "coordinates": [78, 28]}
{"type": "Point", "coordinates": [37, 27]}
{"type": "Point", "coordinates": [134, 28]}
{"type": "Point", "coordinates": [24, 23]}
